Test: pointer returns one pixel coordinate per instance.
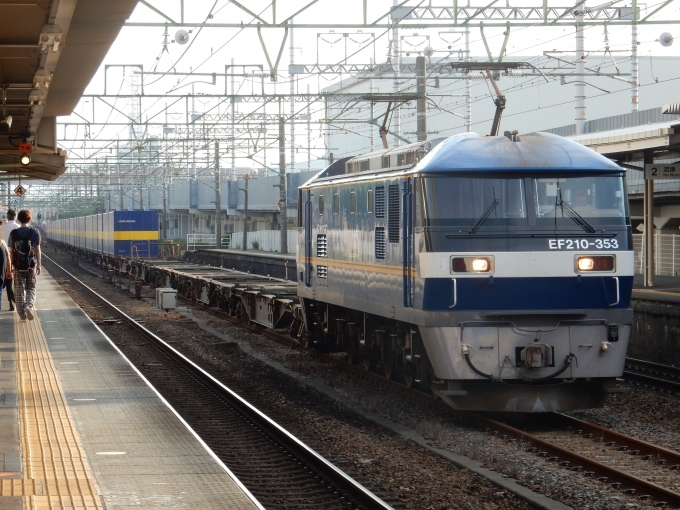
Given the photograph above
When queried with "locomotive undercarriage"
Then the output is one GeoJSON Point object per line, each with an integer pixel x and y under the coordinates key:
{"type": "Point", "coordinates": [391, 347]}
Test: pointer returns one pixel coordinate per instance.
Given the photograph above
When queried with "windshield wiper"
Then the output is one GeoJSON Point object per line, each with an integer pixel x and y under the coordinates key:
{"type": "Point", "coordinates": [578, 219]}
{"type": "Point", "coordinates": [486, 214]}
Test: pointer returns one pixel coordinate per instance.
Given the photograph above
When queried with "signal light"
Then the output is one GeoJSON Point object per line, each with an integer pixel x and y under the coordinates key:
{"type": "Point", "coordinates": [594, 263]}
{"type": "Point", "coordinates": [25, 159]}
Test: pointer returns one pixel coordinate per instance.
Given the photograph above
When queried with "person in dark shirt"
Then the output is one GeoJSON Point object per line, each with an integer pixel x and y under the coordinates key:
{"type": "Point", "coordinates": [25, 258]}
{"type": "Point", "coordinates": [5, 268]}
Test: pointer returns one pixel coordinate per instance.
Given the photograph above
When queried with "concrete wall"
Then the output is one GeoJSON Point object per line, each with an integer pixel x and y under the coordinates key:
{"type": "Point", "coordinates": [656, 332]}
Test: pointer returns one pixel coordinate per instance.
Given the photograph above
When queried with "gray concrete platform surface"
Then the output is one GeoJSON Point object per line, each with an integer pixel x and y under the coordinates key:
{"type": "Point", "coordinates": [70, 399]}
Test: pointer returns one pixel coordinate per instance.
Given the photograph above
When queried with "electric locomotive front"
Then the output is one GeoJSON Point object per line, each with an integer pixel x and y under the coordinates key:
{"type": "Point", "coordinates": [495, 270]}
{"type": "Point", "coordinates": [525, 246]}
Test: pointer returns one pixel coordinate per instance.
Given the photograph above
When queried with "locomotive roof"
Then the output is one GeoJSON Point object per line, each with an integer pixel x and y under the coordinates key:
{"type": "Point", "coordinates": [540, 152]}
{"type": "Point", "coordinates": [471, 152]}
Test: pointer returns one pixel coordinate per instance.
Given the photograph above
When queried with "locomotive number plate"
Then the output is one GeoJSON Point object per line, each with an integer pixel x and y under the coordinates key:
{"type": "Point", "coordinates": [583, 244]}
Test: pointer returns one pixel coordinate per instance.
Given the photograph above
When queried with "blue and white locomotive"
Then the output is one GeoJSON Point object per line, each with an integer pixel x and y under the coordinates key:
{"type": "Point", "coordinates": [495, 270]}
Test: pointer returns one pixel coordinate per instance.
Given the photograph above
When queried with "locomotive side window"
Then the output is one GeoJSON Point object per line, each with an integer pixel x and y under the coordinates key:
{"type": "Point", "coordinates": [336, 203]}
{"type": "Point", "coordinates": [352, 202]}
{"type": "Point", "coordinates": [369, 201]}
{"type": "Point", "coordinates": [321, 205]}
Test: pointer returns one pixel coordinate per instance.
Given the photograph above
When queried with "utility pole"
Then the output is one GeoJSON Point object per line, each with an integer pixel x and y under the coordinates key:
{"type": "Point", "coordinates": [165, 210]}
{"type": "Point", "coordinates": [282, 186]}
{"type": "Point", "coordinates": [218, 198]}
{"type": "Point", "coordinates": [245, 216]}
{"type": "Point", "coordinates": [580, 86]}
{"type": "Point", "coordinates": [421, 105]}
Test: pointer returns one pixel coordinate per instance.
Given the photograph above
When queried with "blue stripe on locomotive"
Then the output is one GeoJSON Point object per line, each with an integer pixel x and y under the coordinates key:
{"type": "Point", "coordinates": [543, 293]}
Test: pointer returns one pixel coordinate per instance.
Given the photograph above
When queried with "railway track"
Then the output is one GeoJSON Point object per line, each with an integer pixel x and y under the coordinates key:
{"type": "Point", "coordinates": [652, 375]}
{"type": "Point", "coordinates": [273, 464]}
{"type": "Point", "coordinates": [636, 468]}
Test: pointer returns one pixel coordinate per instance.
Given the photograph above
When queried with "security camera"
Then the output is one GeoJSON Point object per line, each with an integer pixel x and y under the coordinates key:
{"type": "Point", "coordinates": [5, 124]}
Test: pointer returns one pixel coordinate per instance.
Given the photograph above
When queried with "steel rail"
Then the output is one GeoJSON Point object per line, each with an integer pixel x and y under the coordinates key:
{"type": "Point", "coordinates": [338, 477]}
{"type": "Point", "coordinates": [656, 375]}
{"type": "Point", "coordinates": [629, 484]}
{"type": "Point", "coordinates": [613, 438]}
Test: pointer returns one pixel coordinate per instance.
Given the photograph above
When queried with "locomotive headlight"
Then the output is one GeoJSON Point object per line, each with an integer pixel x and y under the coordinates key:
{"type": "Point", "coordinates": [472, 265]}
{"type": "Point", "coordinates": [481, 265]}
{"type": "Point", "coordinates": [587, 263]}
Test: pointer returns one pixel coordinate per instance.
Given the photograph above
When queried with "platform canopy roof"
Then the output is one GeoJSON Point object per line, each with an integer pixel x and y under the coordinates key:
{"type": "Point", "coordinates": [49, 52]}
{"type": "Point", "coordinates": [628, 145]}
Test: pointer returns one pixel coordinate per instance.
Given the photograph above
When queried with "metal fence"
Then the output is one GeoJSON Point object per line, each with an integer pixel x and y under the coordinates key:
{"type": "Point", "coordinates": [200, 241]}
{"type": "Point", "coordinates": [264, 240]}
{"type": "Point", "coordinates": [666, 261]}
{"type": "Point", "coordinates": [260, 240]}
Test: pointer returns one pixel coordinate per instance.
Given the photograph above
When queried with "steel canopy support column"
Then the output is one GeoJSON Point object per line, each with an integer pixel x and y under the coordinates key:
{"type": "Point", "coordinates": [649, 225]}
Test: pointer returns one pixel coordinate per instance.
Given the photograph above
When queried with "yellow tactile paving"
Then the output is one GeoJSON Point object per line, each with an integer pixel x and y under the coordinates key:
{"type": "Point", "coordinates": [55, 470]}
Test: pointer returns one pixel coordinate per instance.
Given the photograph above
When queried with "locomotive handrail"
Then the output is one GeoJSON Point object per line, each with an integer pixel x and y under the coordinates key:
{"type": "Point", "coordinates": [455, 293]}
{"type": "Point", "coordinates": [618, 293]}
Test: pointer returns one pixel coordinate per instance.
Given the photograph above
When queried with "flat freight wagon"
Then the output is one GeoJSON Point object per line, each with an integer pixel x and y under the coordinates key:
{"type": "Point", "coordinates": [118, 233]}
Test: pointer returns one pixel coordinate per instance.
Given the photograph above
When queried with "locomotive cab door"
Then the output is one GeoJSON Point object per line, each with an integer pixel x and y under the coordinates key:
{"type": "Point", "coordinates": [407, 241]}
{"type": "Point", "coordinates": [307, 222]}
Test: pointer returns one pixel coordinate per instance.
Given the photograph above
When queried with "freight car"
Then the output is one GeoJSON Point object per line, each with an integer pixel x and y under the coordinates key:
{"type": "Point", "coordinates": [496, 270]}
{"type": "Point", "coordinates": [117, 233]}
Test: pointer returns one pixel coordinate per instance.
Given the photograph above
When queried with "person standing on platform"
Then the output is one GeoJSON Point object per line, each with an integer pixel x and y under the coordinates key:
{"type": "Point", "coordinates": [6, 228]}
{"type": "Point", "coordinates": [24, 249]}
{"type": "Point", "coordinates": [5, 268]}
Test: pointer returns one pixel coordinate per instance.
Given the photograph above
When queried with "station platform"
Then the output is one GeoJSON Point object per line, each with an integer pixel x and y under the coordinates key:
{"type": "Point", "coordinates": [81, 428]}
{"type": "Point", "coordinates": [666, 289]}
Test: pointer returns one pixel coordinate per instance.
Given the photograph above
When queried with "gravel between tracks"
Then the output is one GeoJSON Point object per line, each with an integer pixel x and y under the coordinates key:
{"type": "Point", "coordinates": [373, 455]}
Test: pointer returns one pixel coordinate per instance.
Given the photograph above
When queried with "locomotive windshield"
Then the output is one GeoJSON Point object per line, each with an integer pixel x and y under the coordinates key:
{"type": "Point", "coordinates": [492, 203]}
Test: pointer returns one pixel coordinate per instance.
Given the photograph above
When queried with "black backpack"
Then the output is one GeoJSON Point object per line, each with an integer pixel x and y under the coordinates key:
{"type": "Point", "coordinates": [24, 254]}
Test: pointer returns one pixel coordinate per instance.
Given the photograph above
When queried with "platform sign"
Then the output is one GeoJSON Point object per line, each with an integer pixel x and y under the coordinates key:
{"type": "Point", "coordinates": [661, 171]}
{"type": "Point", "coordinates": [15, 202]}
{"type": "Point", "coordinates": [19, 191]}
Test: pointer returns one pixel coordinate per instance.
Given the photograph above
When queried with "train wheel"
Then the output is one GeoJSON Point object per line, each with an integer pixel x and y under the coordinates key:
{"type": "Point", "coordinates": [387, 371]}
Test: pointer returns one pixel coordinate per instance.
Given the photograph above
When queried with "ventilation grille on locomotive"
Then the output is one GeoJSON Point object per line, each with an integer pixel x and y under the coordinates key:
{"type": "Point", "coordinates": [380, 202]}
{"type": "Point", "coordinates": [321, 246]}
{"type": "Point", "coordinates": [379, 242]}
{"type": "Point", "coordinates": [322, 271]}
{"type": "Point", "coordinates": [393, 220]}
